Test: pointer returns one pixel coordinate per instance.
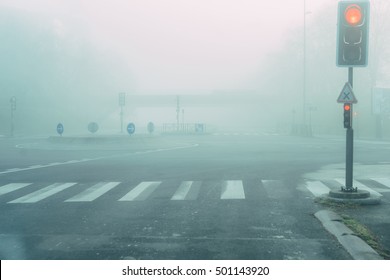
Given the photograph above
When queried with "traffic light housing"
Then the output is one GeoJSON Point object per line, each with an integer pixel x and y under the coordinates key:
{"type": "Point", "coordinates": [352, 33]}
{"type": "Point", "coordinates": [13, 103]}
{"type": "Point", "coordinates": [347, 115]}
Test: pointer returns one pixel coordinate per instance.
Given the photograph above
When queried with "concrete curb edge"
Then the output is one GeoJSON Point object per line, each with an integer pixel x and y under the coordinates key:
{"type": "Point", "coordinates": [355, 246]}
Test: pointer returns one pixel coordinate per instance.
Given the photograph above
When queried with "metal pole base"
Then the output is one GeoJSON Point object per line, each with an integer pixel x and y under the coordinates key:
{"type": "Point", "coordinates": [358, 194]}
{"type": "Point", "coordinates": [348, 189]}
{"type": "Point", "coordinates": [360, 197]}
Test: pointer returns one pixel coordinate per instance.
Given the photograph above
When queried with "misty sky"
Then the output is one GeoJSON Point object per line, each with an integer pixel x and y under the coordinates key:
{"type": "Point", "coordinates": [181, 44]}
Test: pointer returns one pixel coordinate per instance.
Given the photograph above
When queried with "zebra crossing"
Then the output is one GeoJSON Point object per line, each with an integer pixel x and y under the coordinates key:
{"type": "Point", "coordinates": [175, 191]}
{"type": "Point", "coordinates": [28, 193]}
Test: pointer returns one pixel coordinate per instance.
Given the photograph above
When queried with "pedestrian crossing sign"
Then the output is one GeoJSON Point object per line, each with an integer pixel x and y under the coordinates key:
{"type": "Point", "coordinates": [346, 95]}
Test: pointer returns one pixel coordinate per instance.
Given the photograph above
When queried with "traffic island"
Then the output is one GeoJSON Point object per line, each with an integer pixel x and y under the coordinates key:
{"type": "Point", "coordinates": [360, 197]}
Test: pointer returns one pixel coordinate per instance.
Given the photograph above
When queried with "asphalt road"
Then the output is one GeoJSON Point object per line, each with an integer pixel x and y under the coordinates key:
{"type": "Point", "coordinates": [225, 196]}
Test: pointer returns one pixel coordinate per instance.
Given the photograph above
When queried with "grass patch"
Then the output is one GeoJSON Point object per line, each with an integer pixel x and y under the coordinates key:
{"type": "Point", "coordinates": [360, 230]}
{"type": "Point", "coordinates": [336, 205]}
{"type": "Point", "coordinates": [365, 234]}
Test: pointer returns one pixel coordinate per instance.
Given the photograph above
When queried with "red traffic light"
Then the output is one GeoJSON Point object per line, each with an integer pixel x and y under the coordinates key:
{"type": "Point", "coordinates": [352, 33]}
{"type": "Point", "coordinates": [353, 14]}
{"type": "Point", "coordinates": [347, 107]}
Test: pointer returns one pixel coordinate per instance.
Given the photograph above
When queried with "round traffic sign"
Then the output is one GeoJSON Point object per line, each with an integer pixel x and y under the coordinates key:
{"type": "Point", "coordinates": [93, 127]}
{"type": "Point", "coordinates": [60, 128]}
{"type": "Point", "coordinates": [130, 128]}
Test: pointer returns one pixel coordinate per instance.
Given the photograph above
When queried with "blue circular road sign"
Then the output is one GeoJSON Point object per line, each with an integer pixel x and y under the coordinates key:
{"type": "Point", "coordinates": [60, 128]}
{"type": "Point", "coordinates": [130, 128]}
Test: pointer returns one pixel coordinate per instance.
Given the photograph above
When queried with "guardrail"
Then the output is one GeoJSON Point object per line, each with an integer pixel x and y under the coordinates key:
{"type": "Point", "coordinates": [185, 128]}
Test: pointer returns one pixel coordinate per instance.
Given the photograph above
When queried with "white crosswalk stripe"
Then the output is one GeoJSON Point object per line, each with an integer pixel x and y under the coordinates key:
{"type": "Point", "coordinates": [317, 188]}
{"type": "Point", "coordinates": [182, 191]}
{"type": "Point", "coordinates": [12, 187]}
{"type": "Point", "coordinates": [93, 192]}
{"type": "Point", "coordinates": [232, 190]}
{"type": "Point", "coordinates": [43, 193]}
{"type": "Point", "coordinates": [383, 181]}
{"type": "Point", "coordinates": [141, 191]}
{"type": "Point", "coordinates": [188, 190]}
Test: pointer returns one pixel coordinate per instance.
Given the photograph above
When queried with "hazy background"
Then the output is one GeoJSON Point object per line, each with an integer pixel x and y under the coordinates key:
{"type": "Point", "coordinates": [235, 65]}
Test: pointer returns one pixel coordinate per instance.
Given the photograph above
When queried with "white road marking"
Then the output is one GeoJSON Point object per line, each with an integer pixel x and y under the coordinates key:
{"type": "Point", "coordinates": [233, 190]}
{"type": "Point", "coordinates": [12, 187]}
{"type": "Point", "coordinates": [43, 193]}
{"type": "Point", "coordinates": [36, 166]}
{"type": "Point", "coordinates": [12, 170]}
{"type": "Point", "coordinates": [93, 192]}
{"type": "Point", "coordinates": [182, 191]}
{"type": "Point", "coordinates": [40, 166]}
{"type": "Point", "coordinates": [317, 188]}
{"type": "Point", "coordinates": [141, 191]}
{"type": "Point", "coordinates": [382, 181]}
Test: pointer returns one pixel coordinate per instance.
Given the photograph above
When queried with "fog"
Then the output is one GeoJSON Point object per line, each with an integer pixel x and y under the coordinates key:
{"type": "Point", "coordinates": [232, 65]}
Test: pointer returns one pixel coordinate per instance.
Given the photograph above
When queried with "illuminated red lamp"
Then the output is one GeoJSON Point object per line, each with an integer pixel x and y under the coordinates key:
{"type": "Point", "coordinates": [353, 14]}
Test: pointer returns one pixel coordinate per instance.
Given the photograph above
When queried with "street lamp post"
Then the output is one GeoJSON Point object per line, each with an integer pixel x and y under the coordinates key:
{"type": "Point", "coordinates": [306, 130]}
{"type": "Point", "coordinates": [177, 112]}
{"type": "Point", "coordinates": [304, 71]}
{"type": "Point", "coordinates": [122, 101]}
{"type": "Point", "coordinates": [13, 108]}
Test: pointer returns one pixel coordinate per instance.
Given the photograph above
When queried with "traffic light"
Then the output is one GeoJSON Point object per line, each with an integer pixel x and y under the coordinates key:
{"type": "Point", "coordinates": [347, 116]}
{"type": "Point", "coordinates": [352, 33]}
{"type": "Point", "coordinates": [13, 103]}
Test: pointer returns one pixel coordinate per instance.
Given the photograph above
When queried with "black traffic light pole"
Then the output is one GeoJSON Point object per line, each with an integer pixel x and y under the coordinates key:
{"type": "Point", "coordinates": [349, 147]}
{"type": "Point", "coordinates": [352, 51]}
{"type": "Point", "coordinates": [13, 108]}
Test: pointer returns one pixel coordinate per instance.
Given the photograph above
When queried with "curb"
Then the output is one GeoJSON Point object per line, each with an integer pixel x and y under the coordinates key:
{"type": "Point", "coordinates": [355, 246]}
